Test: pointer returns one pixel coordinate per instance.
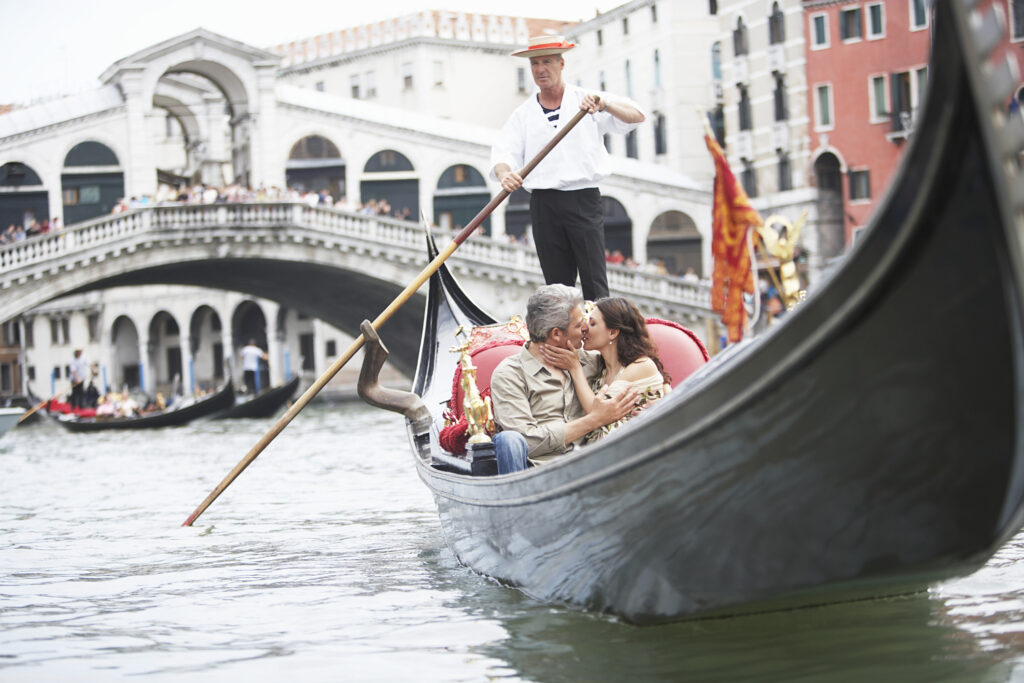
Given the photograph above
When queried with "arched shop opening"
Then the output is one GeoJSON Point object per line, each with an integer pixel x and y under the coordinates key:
{"type": "Point", "coordinates": [461, 193]}
{"type": "Point", "coordinates": [23, 199]}
{"type": "Point", "coordinates": [315, 164]}
{"type": "Point", "coordinates": [675, 240]}
{"type": "Point", "coordinates": [395, 184]}
{"type": "Point", "coordinates": [92, 182]}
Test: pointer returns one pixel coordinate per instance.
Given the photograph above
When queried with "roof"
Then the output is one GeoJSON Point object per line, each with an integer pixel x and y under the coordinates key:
{"type": "Point", "coordinates": [50, 112]}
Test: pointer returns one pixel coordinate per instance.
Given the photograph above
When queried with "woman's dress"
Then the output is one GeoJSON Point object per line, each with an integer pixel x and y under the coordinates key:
{"type": "Point", "coordinates": [649, 389]}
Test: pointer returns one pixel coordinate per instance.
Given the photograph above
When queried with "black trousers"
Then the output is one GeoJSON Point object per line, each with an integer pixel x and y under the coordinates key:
{"type": "Point", "coordinates": [78, 395]}
{"type": "Point", "coordinates": [568, 230]}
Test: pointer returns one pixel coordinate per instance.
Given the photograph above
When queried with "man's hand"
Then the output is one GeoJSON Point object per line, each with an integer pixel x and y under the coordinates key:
{"type": "Point", "coordinates": [561, 358]}
{"type": "Point", "coordinates": [607, 409]}
{"type": "Point", "coordinates": [509, 179]}
{"type": "Point", "coordinates": [593, 104]}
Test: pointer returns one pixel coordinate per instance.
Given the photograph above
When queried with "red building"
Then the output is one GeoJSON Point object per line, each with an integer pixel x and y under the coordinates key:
{"type": "Point", "coordinates": [867, 66]}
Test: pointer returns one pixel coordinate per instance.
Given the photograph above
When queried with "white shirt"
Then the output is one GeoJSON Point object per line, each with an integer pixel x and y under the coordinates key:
{"type": "Point", "coordinates": [79, 368]}
{"type": "Point", "coordinates": [251, 356]}
{"type": "Point", "coordinates": [579, 161]}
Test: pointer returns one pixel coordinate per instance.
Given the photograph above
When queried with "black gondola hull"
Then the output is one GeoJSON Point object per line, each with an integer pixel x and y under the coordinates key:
{"type": "Point", "coordinates": [263, 404]}
{"type": "Point", "coordinates": [869, 445]}
{"type": "Point", "coordinates": [204, 407]}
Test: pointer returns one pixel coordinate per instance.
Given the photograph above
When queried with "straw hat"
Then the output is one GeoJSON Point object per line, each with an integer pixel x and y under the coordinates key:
{"type": "Point", "coordinates": [545, 45]}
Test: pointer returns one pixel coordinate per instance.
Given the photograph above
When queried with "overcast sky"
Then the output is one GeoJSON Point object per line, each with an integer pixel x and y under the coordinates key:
{"type": "Point", "coordinates": [57, 46]}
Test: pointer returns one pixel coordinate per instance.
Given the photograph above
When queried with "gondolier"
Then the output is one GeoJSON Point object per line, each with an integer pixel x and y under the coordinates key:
{"type": "Point", "coordinates": [78, 372]}
{"type": "Point", "coordinates": [565, 203]}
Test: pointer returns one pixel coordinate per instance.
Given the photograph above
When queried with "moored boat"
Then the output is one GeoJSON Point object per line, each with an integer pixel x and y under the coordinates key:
{"type": "Point", "coordinates": [869, 444]}
{"type": "Point", "coordinates": [9, 419]}
{"type": "Point", "coordinates": [181, 412]}
{"type": "Point", "coordinates": [263, 404]}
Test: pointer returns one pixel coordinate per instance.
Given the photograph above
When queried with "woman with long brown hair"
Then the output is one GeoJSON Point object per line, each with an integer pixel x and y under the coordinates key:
{"type": "Point", "coordinates": [617, 330]}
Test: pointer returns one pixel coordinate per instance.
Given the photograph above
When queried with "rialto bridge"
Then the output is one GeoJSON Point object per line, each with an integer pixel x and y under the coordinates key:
{"type": "Point", "coordinates": [334, 265]}
{"type": "Point", "coordinates": [219, 112]}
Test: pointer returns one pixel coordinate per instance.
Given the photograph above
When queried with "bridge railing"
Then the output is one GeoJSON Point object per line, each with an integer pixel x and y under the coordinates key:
{"type": "Point", "coordinates": [122, 229]}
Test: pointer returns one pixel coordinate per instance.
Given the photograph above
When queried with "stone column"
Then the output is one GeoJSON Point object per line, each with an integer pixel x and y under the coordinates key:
{"type": "Point", "coordinates": [275, 344]}
{"type": "Point", "coordinates": [188, 375]}
{"type": "Point", "coordinates": [145, 364]}
{"type": "Point", "coordinates": [139, 167]}
{"type": "Point", "coordinates": [265, 166]}
{"type": "Point", "coordinates": [229, 352]}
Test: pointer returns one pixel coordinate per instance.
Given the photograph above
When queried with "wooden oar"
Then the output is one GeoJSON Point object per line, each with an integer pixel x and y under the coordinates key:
{"type": "Point", "coordinates": [399, 301]}
{"type": "Point", "coordinates": [36, 407]}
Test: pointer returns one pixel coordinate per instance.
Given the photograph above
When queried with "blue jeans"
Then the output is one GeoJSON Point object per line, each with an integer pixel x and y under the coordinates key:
{"type": "Point", "coordinates": [510, 450]}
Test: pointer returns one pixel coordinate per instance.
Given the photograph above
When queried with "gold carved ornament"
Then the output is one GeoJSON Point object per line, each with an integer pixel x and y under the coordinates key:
{"type": "Point", "coordinates": [781, 243]}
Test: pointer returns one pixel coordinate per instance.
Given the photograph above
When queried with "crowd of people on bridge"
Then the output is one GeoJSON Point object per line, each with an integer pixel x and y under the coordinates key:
{"type": "Point", "coordinates": [16, 232]}
{"type": "Point", "coordinates": [240, 194]}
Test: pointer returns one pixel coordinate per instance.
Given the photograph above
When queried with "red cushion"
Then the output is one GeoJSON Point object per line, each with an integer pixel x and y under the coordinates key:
{"type": "Point", "coordinates": [680, 350]}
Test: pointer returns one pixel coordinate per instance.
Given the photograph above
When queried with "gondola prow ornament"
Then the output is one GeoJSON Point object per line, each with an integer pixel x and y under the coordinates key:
{"type": "Point", "coordinates": [478, 412]}
{"type": "Point", "coordinates": [781, 243]}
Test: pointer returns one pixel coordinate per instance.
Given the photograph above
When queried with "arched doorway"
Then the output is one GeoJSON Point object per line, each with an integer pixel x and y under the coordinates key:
{"type": "Point", "coordinates": [23, 198]}
{"type": "Point", "coordinates": [248, 323]}
{"type": "Point", "coordinates": [401, 188]}
{"type": "Point", "coordinates": [207, 346]}
{"type": "Point", "coordinates": [618, 227]}
{"type": "Point", "coordinates": [315, 164]}
{"type": "Point", "coordinates": [675, 240]}
{"type": "Point", "coordinates": [461, 193]}
{"type": "Point", "coordinates": [165, 352]}
{"type": "Point", "coordinates": [831, 231]}
{"type": "Point", "coordinates": [125, 366]}
{"type": "Point", "coordinates": [92, 182]}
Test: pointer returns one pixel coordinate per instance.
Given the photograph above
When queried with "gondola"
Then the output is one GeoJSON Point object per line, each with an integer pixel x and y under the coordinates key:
{"type": "Point", "coordinates": [869, 444]}
{"type": "Point", "coordinates": [263, 404]}
{"type": "Point", "coordinates": [186, 411]}
{"type": "Point", "coordinates": [9, 418]}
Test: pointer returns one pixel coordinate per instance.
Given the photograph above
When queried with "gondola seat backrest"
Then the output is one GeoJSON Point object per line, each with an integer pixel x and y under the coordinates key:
{"type": "Point", "coordinates": [680, 350]}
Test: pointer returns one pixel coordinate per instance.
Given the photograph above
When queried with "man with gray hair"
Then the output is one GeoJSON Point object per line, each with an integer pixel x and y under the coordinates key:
{"type": "Point", "coordinates": [535, 403]}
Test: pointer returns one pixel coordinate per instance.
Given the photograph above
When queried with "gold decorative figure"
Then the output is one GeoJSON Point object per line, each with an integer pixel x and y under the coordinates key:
{"type": "Point", "coordinates": [781, 243]}
{"type": "Point", "coordinates": [476, 408]}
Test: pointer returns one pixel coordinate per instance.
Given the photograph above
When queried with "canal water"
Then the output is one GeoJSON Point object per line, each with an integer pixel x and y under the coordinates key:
{"type": "Point", "coordinates": [324, 561]}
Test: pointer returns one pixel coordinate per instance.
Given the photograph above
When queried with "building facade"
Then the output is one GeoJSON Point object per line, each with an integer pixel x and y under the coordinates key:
{"type": "Point", "coordinates": [169, 339]}
{"type": "Point", "coordinates": [867, 69]}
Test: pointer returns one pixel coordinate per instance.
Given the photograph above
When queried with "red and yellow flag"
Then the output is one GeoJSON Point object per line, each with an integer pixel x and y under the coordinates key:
{"type": "Point", "coordinates": [732, 218]}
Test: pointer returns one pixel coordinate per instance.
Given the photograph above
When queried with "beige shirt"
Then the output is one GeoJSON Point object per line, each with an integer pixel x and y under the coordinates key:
{"type": "Point", "coordinates": [529, 399]}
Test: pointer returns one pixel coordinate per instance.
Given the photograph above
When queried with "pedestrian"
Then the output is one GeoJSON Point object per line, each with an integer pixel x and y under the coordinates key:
{"type": "Point", "coordinates": [565, 203]}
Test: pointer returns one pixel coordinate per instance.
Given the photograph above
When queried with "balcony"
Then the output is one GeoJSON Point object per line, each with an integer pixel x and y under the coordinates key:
{"type": "Point", "coordinates": [776, 58]}
{"type": "Point", "coordinates": [780, 136]}
{"type": "Point", "coordinates": [903, 122]}
{"type": "Point", "coordinates": [744, 144]}
{"type": "Point", "coordinates": [741, 69]}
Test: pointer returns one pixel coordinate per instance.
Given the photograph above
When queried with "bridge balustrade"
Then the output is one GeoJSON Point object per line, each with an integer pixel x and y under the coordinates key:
{"type": "Point", "coordinates": [485, 257]}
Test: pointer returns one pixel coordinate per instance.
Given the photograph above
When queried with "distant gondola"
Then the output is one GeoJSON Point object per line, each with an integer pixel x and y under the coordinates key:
{"type": "Point", "coordinates": [172, 417]}
{"type": "Point", "coordinates": [869, 444]}
{"type": "Point", "coordinates": [263, 404]}
{"type": "Point", "coordinates": [9, 418]}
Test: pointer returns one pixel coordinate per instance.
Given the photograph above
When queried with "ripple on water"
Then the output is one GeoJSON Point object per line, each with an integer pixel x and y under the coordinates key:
{"type": "Point", "coordinates": [324, 561]}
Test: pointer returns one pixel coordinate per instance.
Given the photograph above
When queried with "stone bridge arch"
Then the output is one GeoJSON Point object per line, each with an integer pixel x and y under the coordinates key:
{"type": "Point", "coordinates": [244, 74]}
